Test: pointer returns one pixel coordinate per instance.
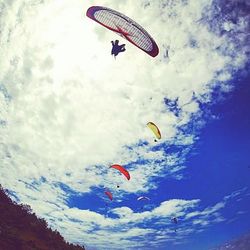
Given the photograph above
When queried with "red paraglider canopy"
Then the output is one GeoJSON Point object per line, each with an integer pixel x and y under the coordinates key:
{"type": "Point", "coordinates": [122, 170]}
{"type": "Point", "coordinates": [109, 195]}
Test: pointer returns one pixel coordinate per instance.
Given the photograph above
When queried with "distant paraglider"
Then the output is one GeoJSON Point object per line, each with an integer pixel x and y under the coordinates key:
{"type": "Point", "coordinates": [143, 198]}
{"type": "Point", "coordinates": [122, 170]}
{"type": "Point", "coordinates": [109, 194]}
{"type": "Point", "coordinates": [175, 221]}
{"type": "Point", "coordinates": [125, 27]}
{"type": "Point", "coordinates": [155, 130]}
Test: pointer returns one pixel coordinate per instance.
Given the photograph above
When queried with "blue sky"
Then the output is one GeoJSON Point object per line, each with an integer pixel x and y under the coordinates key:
{"type": "Point", "coordinates": [218, 165]}
{"type": "Point", "coordinates": [69, 111]}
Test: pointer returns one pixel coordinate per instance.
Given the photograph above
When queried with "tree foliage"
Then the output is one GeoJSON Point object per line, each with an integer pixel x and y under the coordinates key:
{"type": "Point", "coordinates": [21, 229]}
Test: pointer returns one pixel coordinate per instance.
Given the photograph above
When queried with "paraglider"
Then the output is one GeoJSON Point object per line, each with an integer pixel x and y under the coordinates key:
{"type": "Point", "coordinates": [155, 130]}
{"type": "Point", "coordinates": [125, 27]}
{"type": "Point", "coordinates": [175, 221]}
{"type": "Point", "coordinates": [116, 48]}
{"type": "Point", "coordinates": [122, 170]}
{"type": "Point", "coordinates": [143, 198]}
{"type": "Point", "coordinates": [109, 194]}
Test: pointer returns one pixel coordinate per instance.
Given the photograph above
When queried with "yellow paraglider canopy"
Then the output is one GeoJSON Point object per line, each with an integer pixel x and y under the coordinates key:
{"type": "Point", "coordinates": [155, 129]}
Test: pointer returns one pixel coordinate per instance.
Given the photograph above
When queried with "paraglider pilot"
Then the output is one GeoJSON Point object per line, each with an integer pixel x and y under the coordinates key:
{"type": "Point", "coordinates": [116, 48]}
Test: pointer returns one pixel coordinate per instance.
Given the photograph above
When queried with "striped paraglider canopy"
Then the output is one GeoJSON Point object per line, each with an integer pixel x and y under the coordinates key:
{"type": "Point", "coordinates": [125, 27]}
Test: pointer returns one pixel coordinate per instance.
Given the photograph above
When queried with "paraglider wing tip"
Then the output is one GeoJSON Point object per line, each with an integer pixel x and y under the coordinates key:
{"type": "Point", "coordinates": [155, 51]}
{"type": "Point", "coordinates": [91, 10]}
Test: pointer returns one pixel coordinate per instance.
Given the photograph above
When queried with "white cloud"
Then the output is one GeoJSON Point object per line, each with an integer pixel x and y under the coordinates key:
{"type": "Point", "coordinates": [132, 228]}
